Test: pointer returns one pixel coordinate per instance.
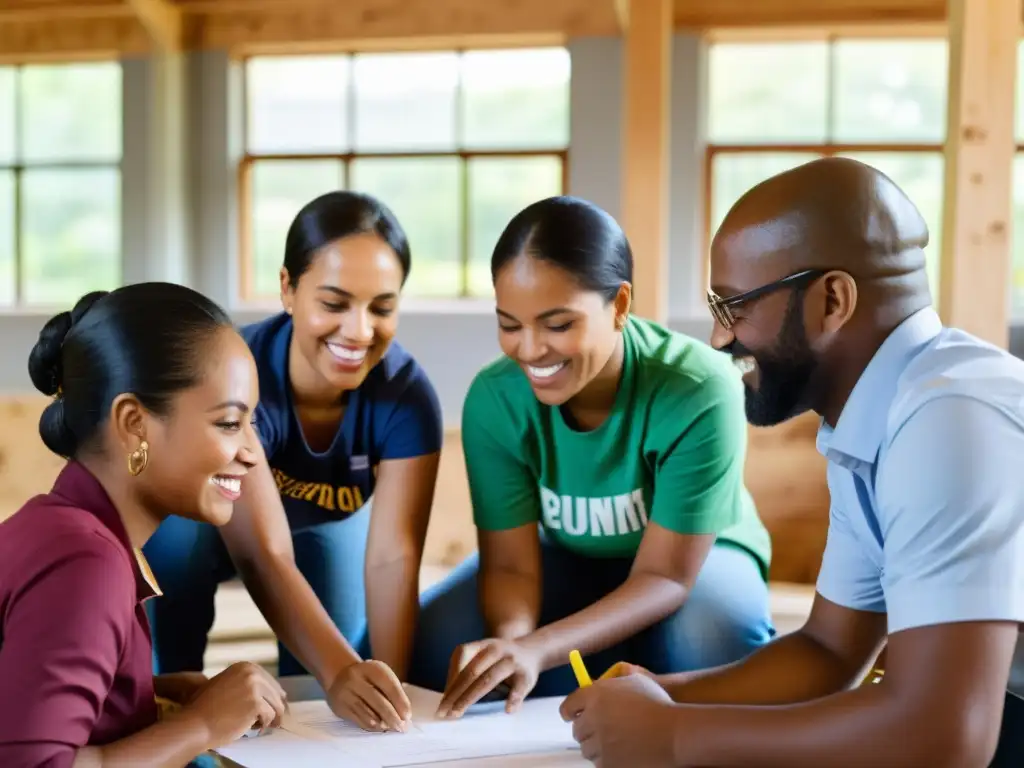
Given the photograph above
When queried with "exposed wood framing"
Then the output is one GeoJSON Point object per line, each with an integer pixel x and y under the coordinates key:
{"type": "Point", "coordinates": [976, 242]}
{"type": "Point", "coordinates": [398, 19]}
{"type": "Point", "coordinates": [761, 13]}
{"type": "Point", "coordinates": [256, 25]}
{"type": "Point", "coordinates": [59, 38]}
{"type": "Point", "coordinates": [162, 20]}
{"type": "Point", "coordinates": [645, 172]}
{"type": "Point", "coordinates": [621, 13]}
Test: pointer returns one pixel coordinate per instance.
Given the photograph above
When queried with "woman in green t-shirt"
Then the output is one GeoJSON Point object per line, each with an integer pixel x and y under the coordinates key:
{"type": "Point", "coordinates": [605, 458]}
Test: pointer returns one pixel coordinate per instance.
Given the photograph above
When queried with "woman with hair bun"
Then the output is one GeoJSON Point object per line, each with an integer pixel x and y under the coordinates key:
{"type": "Point", "coordinates": [153, 395]}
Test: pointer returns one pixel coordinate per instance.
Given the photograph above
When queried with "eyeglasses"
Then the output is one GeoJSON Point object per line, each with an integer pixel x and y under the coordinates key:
{"type": "Point", "coordinates": [721, 309]}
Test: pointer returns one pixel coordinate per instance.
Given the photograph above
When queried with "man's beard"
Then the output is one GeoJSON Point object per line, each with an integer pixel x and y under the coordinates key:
{"type": "Point", "coordinates": [784, 372]}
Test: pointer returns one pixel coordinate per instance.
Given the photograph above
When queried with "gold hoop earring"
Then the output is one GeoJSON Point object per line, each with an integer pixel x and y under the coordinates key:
{"type": "Point", "coordinates": [138, 459]}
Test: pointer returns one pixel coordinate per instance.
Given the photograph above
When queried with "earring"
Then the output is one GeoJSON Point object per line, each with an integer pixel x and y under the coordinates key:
{"type": "Point", "coordinates": [138, 459]}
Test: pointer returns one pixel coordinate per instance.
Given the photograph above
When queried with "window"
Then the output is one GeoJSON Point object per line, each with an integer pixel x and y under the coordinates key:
{"type": "Point", "coordinates": [1017, 279]}
{"type": "Point", "coordinates": [60, 182]}
{"type": "Point", "coordinates": [455, 143]}
{"type": "Point", "coordinates": [773, 106]}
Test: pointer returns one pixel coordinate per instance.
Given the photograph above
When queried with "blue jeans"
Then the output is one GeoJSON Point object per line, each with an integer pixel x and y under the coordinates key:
{"type": "Point", "coordinates": [725, 617]}
{"type": "Point", "coordinates": [189, 561]}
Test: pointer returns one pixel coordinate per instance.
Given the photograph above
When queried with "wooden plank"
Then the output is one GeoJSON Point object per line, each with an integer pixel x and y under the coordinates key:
{"type": "Point", "coordinates": [399, 19]}
{"type": "Point", "coordinates": [976, 239]}
{"type": "Point", "coordinates": [759, 13]}
{"type": "Point", "coordinates": [61, 38]}
{"type": "Point", "coordinates": [162, 20]}
{"type": "Point", "coordinates": [645, 173]}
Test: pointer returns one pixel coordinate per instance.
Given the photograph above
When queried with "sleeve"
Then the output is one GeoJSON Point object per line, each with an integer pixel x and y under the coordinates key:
{"type": "Point", "coordinates": [847, 576]}
{"type": "Point", "coordinates": [698, 481]}
{"type": "Point", "coordinates": [502, 488]}
{"type": "Point", "coordinates": [414, 427]}
{"type": "Point", "coordinates": [951, 508]}
{"type": "Point", "coordinates": [64, 634]}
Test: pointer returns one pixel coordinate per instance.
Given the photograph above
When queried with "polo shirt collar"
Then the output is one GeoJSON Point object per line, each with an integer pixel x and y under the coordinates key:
{"type": "Point", "coordinates": [862, 423]}
{"type": "Point", "coordinates": [79, 486]}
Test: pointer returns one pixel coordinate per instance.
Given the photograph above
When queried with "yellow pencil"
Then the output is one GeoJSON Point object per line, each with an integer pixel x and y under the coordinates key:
{"type": "Point", "coordinates": [582, 676]}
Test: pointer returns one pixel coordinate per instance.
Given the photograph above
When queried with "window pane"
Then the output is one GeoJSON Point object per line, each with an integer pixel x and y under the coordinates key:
{"type": "Point", "coordinates": [1017, 281]}
{"type": "Point", "coordinates": [297, 104]}
{"type": "Point", "coordinates": [71, 233]}
{"type": "Point", "coordinates": [71, 112]}
{"type": "Point", "coordinates": [279, 190]}
{"type": "Point", "coordinates": [890, 90]}
{"type": "Point", "coordinates": [500, 187]}
{"type": "Point", "coordinates": [920, 176]}
{"type": "Point", "coordinates": [405, 101]}
{"type": "Point", "coordinates": [767, 93]}
{"type": "Point", "coordinates": [6, 237]}
{"type": "Point", "coordinates": [732, 174]}
{"type": "Point", "coordinates": [424, 193]}
{"type": "Point", "coordinates": [7, 115]}
{"type": "Point", "coordinates": [515, 99]}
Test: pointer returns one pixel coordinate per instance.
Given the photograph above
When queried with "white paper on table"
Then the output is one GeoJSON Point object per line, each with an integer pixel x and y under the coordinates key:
{"type": "Point", "coordinates": [535, 728]}
{"type": "Point", "coordinates": [279, 748]}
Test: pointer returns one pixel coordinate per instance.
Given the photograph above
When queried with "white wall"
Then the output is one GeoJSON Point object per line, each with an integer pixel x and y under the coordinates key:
{"type": "Point", "coordinates": [182, 142]}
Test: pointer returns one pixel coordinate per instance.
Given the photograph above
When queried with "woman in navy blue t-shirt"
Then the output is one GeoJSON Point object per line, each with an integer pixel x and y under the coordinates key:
{"type": "Point", "coordinates": [345, 414]}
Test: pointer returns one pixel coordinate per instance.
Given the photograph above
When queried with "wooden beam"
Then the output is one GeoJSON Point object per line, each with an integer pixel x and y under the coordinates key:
{"type": "Point", "coordinates": [762, 13]}
{"type": "Point", "coordinates": [64, 39]}
{"type": "Point", "coordinates": [645, 173]}
{"type": "Point", "coordinates": [317, 23]}
{"type": "Point", "coordinates": [621, 8]}
{"type": "Point", "coordinates": [978, 210]}
{"type": "Point", "coordinates": [162, 20]}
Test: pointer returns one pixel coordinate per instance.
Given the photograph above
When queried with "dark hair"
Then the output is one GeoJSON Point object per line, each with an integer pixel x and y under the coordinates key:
{"type": "Point", "coordinates": [333, 216]}
{"type": "Point", "coordinates": [573, 234]}
{"type": "Point", "coordinates": [144, 339]}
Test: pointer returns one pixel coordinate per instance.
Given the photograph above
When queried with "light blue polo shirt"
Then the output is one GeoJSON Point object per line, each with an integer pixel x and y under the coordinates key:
{"type": "Point", "coordinates": [926, 474]}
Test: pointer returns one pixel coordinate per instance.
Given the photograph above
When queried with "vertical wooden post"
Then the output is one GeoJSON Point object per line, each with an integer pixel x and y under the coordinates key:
{"type": "Point", "coordinates": [977, 215]}
{"type": "Point", "coordinates": [645, 177]}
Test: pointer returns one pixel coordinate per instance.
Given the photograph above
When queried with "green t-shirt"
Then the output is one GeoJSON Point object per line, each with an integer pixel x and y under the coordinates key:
{"type": "Point", "coordinates": [672, 450]}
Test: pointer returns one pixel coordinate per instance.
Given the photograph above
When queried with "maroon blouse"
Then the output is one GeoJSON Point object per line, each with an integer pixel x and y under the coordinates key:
{"type": "Point", "coordinates": [76, 659]}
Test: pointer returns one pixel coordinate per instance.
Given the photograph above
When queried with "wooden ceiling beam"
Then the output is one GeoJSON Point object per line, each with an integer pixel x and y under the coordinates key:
{"type": "Point", "coordinates": [700, 14]}
{"type": "Point", "coordinates": [621, 8]}
{"type": "Point", "coordinates": [79, 38]}
{"type": "Point", "coordinates": [276, 23]}
{"type": "Point", "coordinates": [162, 20]}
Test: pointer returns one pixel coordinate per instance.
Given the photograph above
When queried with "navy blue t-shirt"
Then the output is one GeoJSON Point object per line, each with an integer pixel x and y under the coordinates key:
{"type": "Point", "coordinates": [394, 414]}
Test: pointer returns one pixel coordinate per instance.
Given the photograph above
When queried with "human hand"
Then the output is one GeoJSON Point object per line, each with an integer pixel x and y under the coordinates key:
{"type": "Point", "coordinates": [179, 687]}
{"type": "Point", "coordinates": [623, 722]}
{"type": "Point", "coordinates": [369, 694]}
{"type": "Point", "coordinates": [624, 669]}
{"type": "Point", "coordinates": [477, 668]}
{"type": "Point", "coordinates": [241, 697]}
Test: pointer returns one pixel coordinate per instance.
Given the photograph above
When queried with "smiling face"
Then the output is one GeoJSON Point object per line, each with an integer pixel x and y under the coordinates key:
{"type": "Point", "coordinates": [203, 447]}
{"type": "Point", "coordinates": [561, 335]}
{"type": "Point", "coordinates": [768, 338]}
{"type": "Point", "coordinates": [345, 312]}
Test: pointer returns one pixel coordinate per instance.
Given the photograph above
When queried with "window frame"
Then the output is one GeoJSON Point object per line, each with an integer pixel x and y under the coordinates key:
{"type": "Point", "coordinates": [246, 247]}
{"type": "Point", "coordinates": [827, 148]}
{"type": "Point", "coordinates": [18, 168]}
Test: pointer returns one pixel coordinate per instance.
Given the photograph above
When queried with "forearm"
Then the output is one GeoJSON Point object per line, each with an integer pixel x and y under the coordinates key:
{"type": "Point", "coordinates": [392, 600]}
{"type": "Point", "coordinates": [869, 725]}
{"type": "Point", "coordinates": [792, 669]}
{"type": "Point", "coordinates": [511, 603]}
{"type": "Point", "coordinates": [297, 617]}
{"type": "Point", "coordinates": [171, 744]}
{"type": "Point", "coordinates": [641, 601]}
